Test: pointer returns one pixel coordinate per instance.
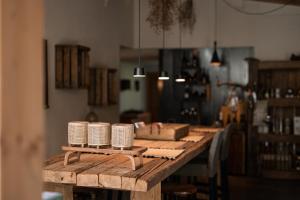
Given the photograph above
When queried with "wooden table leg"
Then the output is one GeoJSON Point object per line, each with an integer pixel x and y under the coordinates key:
{"type": "Point", "coordinates": [64, 189]}
{"type": "Point", "coordinates": [153, 194]}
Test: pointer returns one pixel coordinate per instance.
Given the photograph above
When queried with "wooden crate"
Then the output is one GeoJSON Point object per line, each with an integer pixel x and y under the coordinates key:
{"type": "Point", "coordinates": [71, 66]}
{"type": "Point", "coordinates": [102, 89]}
{"type": "Point", "coordinates": [166, 132]}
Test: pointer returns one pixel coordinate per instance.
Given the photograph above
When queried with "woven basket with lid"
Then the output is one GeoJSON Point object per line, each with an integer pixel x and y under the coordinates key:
{"type": "Point", "coordinates": [122, 135]}
{"type": "Point", "coordinates": [99, 134]}
{"type": "Point", "coordinates": [77, 132]}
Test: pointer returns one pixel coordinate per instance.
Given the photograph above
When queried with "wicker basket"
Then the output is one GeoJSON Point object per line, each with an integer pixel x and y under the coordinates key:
{"type": "Point", "coordinates": [77, 133]}
{"type": "Point", "coordinates": [122, 135]}
{"type": "Point", "coordinates": [99, 134]}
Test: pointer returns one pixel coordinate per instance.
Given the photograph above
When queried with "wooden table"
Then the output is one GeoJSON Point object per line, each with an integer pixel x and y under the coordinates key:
{"type": "Point", "coordinates": [114, 172]}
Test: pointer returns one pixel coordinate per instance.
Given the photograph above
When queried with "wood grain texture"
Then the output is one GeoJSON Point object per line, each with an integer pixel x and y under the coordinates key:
{"type": "Point", "coordinates": [153, 194]}
{"type": "Point", "coordinates": [166, 132]}
{"type": "Point", "coordinates": [95, 170]}
{"type": "Point", "coordinates": [157, 144]}
{"type": "Point", "coordinates": [163, 153]}
{"type": "Point", "coordinates": [192, 138]}
{"type": "Point", "coordinates": [22, 113]}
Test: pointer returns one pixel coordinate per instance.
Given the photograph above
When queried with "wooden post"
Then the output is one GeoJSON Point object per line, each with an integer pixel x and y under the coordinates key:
{"type": "Point", "coordinates": [153, 194]}
{"type": "Point", "coordinates": [21, 97]}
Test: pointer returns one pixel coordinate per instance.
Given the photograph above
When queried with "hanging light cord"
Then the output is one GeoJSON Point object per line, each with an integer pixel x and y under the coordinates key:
{"type": "Point", "coordinates": [163, 22]}
{"type": "Point", "coordinates": [139, 33]}
{"type": "Point", "coordinates": [288, 2]}
{"type": "Point", "coordinates": [180, 27]}
{"type": "Point", "coordinates": [216, 20]}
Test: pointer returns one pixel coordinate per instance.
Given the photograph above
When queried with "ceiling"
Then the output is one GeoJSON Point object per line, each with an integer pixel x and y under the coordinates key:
{"type": "Point", "coordinates": [290, 2]}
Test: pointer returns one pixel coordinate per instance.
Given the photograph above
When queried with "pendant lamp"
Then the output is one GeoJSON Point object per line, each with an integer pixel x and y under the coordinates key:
{"type": "Point", "coordinates": [180, 78]}
{"type": "Point", "coordinates": [163, 75]}
{"type": "Point", "coordinates": [139, 70]}
{"type": "Point", "coordinates": [215, 60]}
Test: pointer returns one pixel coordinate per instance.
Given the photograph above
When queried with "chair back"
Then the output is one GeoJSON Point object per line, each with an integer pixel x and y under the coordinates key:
{"type": "Point", "coordinates": [214, 154]}
{"type": "Point", "coordinates": [226, 141]}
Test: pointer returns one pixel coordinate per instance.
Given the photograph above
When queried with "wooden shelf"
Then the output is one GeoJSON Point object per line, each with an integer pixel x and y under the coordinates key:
{"type": "Point", "coordinates": [284, 102]}
{"type": "Point", "coordinates": [277, 174]}
{"type": "Point", "coordinates": [279, 65]}
{"type": "Point", "coordinates": [279, 138]}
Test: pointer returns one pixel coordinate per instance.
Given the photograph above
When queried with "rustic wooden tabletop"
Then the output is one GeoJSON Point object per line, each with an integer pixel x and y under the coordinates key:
{"type": "Point", "coordinates": [114, 171]}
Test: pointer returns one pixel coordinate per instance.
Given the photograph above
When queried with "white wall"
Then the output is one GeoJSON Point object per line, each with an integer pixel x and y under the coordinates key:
{"type": "Point", "coordinates": [274, 36]}
{"type": "Point", "coordinates": [88, 23]}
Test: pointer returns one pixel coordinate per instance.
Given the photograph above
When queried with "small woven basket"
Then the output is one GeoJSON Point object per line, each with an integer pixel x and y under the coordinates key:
{"type": "Point", "coordinates": [122, 135]}
{"type": "Point", "coordinates": [77, 133]}
{"type": "Point", "coordinates": [99, 134]}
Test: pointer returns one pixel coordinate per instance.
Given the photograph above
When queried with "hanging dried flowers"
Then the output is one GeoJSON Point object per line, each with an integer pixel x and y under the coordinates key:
{"type": "Point", "coordinates": [161, 14]}
{"type": "Point", "coordinates": [165, 13]}
{"type": "Point", "coordinates": [186, 15]}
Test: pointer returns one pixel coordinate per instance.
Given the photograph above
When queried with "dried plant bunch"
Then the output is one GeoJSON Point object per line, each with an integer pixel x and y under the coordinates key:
{"type": "Point", "coordinates": [162, 12]}
{"type": "Point", "coordinates": [186, 14]}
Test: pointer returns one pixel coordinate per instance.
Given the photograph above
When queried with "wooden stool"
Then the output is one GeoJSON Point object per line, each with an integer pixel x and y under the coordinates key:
{"type": "Point", "coordinates": [179, 191]}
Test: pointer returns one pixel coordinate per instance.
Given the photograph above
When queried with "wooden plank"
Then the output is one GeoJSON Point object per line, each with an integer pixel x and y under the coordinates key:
{"type": "Point", "coordinates": [153, 194]}
{"type": "Point", "coordinates": [90, 177]}
{"type": "Point", "coordinates": [58, 173]}
{"type": "Point", "coordinates": [134, 151]}
{"type": "Point", "coordinates": [92, 87]}
{"type": "Point", "coordinates": [279, 138]}
{"type": "Point", "coordinates": [54, 159]}
{"type": "Point", "coordinates": [74, 67]}
{"type": "Point", "coordinates": [167, 132]}
{"type": "Point", "coordinates": [284, 102]}
{"type": "Point", "coordinates": [150, 179]}
{"type": "Point", "coordinates": [112, 177]}
{"type": "Point", "coordinates": [129, 179]}
{"type": "Point", "coordinates": [163, 153]}
{"type": "Point", "coordinates": [205, 129]}
{"type": "Point", "coordinates": [192, 138]}
{"type": "Point", "coordinates": [58, 67]}
{"type": "Point", "coordinates": [279, 65]}
{"type": "Point", "coordinates": [67, 67]}
{"type": "Point", "coordinates": [157, 144]}
{"type": "Point", "coordinates": [104, 88]}
{"type": "Point", "coordinates": [98, 86]}
{"type": "Point", "coordinates": [86, 69]}
{"type": "Point", "coordinates": [112, 86]}
{"type": "Point", "coordinates": [82, 53]}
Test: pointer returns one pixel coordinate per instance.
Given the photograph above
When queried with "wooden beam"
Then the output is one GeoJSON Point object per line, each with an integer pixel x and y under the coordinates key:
{"type": "Point", "coordinates": [290, 2]}
{"type": "Point", "coordinates": [22, 114]}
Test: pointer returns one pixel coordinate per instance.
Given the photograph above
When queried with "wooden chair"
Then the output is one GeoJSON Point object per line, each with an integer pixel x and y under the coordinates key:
{"type": "Point", "coordinates": [196, 168]}
{"type": "Point", "coordinates": [223, 161]}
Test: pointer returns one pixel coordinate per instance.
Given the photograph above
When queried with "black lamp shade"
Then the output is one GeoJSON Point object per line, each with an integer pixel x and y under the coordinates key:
{"type": "Point", "coordinates": [139, 72]}
{"type": "Point", "coordinates": [180, 79]}
{"type": "Point", "coordinates": [215, 60]}
{"type": "Point", "coordinates": [163, 75]}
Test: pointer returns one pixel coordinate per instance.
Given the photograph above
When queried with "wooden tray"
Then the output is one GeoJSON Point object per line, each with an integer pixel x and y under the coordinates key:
{"type": "Point", "coordinates": [163, 153]}
{"type": "Point", "coordinates": [166, 132]}
{"type": "Point", "coordinates": [134, 154]}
